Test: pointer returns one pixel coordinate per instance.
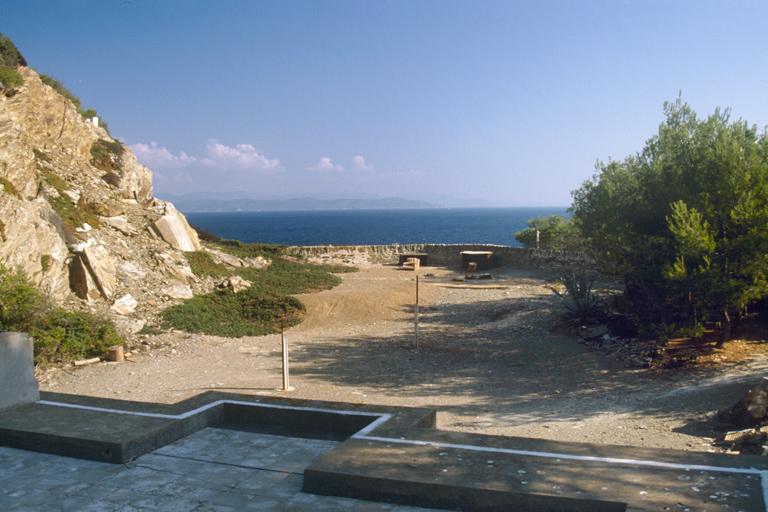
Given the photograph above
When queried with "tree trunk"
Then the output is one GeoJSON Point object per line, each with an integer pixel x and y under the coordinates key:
{"type": "Point", "coordinates": [725, 332]}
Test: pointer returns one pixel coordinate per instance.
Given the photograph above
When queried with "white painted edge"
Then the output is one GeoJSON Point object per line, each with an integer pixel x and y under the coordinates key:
{"type": "Point", "coordinates": [213, 404]}
{"type": "Point", "coordinates": [383, 418]}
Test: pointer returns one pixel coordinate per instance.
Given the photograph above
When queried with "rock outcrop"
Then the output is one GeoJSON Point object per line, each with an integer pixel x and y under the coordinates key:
{"type": "Point", "coordinates": [92, 237]}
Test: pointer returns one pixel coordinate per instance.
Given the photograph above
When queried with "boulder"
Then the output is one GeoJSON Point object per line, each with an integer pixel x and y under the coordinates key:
{"type": "Point", "coordinates": [124, 305]}
{"type": "Point", "coordinates": [81, 282]}
{"type": "Point", "coordinates": [178, 290]}
{"type": "Point", "coordinates": [174, 266]}
{"type": "Point", "coordinates": [173, 228]}
{"type": "Point", "coordinates": [235, 283]}
{"type": "Point", "coordinates": [121, 224]}
{"type": "Point", "coordinates": [92, 273]}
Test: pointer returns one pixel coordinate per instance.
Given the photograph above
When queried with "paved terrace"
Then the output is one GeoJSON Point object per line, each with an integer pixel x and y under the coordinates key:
{"type": "Point", "coordinates": [225, 452]}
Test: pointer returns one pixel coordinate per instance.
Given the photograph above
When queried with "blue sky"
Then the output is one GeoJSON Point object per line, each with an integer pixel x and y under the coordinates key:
{"type": "Point", "coordinates": [503, 103]}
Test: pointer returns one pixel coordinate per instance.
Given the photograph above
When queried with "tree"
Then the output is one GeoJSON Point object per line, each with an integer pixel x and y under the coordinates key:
{"type": "Point", "coordinates": [555, 232]}
{"type": "Point", "coordinates": [685, 219]}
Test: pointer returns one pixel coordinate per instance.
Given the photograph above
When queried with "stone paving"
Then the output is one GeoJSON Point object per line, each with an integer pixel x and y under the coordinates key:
{"type": "Point", "coordinates": [211, 470]}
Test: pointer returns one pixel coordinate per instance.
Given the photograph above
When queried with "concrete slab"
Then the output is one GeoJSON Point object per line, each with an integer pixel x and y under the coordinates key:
{"type": "Point", "coordinates": [362, 452]}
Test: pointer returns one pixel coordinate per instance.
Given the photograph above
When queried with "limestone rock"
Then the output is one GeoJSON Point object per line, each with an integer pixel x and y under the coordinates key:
{"type": "Point", "coordinates": [124, 305]}
{"type": "Point", "coordinates": [234, 261]}
{"type": "Point", "coordinates": [81, 281]}
{"type": "Point", "coordinates": [178, 290]}
{"type": "Point", "coordinates": [174, 266]}
{"type": "Point", "coordinates": [109, 208]}
{"type": "Point", "coordinates": [235, 283]}
{"type": "Point", "coordinates": [173, 228]}
{"type": "Point", "coordinates": [121, 224]}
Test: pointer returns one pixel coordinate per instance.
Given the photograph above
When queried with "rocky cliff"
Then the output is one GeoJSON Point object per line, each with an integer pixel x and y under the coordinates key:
{"type": "Point", "coordinates": [77, 213]}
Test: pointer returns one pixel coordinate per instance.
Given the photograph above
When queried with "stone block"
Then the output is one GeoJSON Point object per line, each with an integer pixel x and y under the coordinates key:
{"type": "Point", "coordinates": [17, 376]}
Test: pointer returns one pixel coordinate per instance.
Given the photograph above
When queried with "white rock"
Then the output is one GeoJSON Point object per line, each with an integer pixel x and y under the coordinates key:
{"type": "Point", "coordinates": [124, 305]}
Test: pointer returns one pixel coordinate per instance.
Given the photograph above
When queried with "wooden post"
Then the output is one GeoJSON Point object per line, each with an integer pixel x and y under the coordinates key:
{"type": "Point", "coordinates": [286, 383]}
{"type": "Point", "coordinates": [537, 239]}
{"type": "Point", "coordinates": [416, 316]}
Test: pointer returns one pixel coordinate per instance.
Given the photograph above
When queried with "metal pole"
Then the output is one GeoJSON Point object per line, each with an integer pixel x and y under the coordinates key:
{"type": "Point", "coordinates": [416, 316]}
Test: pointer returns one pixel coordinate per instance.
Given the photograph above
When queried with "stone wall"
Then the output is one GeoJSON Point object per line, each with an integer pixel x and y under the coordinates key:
{"type": "Point", "coordinates": [17, 376]}
{"type": "Point", "coordinates": [449, 255]}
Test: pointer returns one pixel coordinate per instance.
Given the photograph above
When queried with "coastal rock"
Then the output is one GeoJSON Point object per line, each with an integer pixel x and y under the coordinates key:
{"type": "Point", "coordinates": [173, 228]}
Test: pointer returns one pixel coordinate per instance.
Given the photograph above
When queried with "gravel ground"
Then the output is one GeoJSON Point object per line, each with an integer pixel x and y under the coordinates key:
{"type": "Point", "coordinates": [487, 359]}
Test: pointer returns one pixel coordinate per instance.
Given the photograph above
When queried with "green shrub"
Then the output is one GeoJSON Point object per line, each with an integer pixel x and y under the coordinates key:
{"type": "Point", "coordinates": [105, 155]}
{"type": "Point", "coordinates": [10, 78]}
{"type": "Point", "coordinates": [73, 215]}
{"type": "Point", "coordinates": [9, 54]}
{"type": "Point", "coordinates": [67, 336]}
{"type": "Point", "coordinates": [203, 265]}
{"type": "Point", "coordinates": [59, 335]}
{"type": "Point", "coordinates": [10, 59]}
{"type": "Point", "coordinates": [8, 188]}
{"type": "Point", "coordinates": [223, 313]}
{"type": "Point", "coordinates": [580, 301]}
{"type": "Point", "coordinates": [262, 308]}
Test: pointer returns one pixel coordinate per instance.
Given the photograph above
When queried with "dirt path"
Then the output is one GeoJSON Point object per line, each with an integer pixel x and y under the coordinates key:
{"type": "Point", "coordinates": [487, 360]}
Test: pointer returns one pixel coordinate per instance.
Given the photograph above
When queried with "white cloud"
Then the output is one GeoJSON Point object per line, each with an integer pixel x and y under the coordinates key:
{"type": "Point", "coordinates": [154, 156]}
{"type": "Point", "coordinates": [325, 165]}
{"type": "Point", "coordinates": [359, 164]}
{"type": "Point", "coordinates": [241, 157]}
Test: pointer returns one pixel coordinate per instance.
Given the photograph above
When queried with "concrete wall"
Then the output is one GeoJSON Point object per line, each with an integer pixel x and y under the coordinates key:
{"type": "Point", "coordinates": [449, 254]}
{"type": "Point", "coordinates": [18, 385]}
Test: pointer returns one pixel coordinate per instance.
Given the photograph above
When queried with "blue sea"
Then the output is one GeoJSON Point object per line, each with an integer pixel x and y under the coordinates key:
{"type": "Point", "coordinates": [373, 227]}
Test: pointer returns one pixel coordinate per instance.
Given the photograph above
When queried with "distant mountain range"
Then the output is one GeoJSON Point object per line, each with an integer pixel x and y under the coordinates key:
{"type": "Point", "coordinates": [200, 203]}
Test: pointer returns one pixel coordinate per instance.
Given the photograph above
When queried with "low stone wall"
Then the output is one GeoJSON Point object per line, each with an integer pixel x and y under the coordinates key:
{"type": "Point", "coordinates": [448, 255]}
{"type": "Point", "coordinates": [17, 375]}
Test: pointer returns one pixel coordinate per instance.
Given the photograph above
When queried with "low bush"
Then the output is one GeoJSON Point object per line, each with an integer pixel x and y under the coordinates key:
{"type": "Point", "coordinates": [262, 308]}
{"type": "Point", "coordinates": [59, 335]}
{"type": "Point", "coordinates": [105, 155]}
{"type": "Point", "coordinates": [74, 215]}
{"type": "Point", "coordinates": [223, 313]}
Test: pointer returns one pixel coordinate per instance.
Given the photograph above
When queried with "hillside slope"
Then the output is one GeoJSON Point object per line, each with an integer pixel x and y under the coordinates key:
{"type": "Point", "coordinates": [77, 213]}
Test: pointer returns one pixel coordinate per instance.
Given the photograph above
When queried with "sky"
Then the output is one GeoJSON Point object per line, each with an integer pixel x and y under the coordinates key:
{"type": "Point", "coordinates": [481, 103]}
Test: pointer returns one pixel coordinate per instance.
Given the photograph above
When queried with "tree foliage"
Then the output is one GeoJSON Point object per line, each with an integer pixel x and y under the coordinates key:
{"type": "Point", "coordinates": [684, 220]}
{"type": "Point", "coordinates": [554, 232]}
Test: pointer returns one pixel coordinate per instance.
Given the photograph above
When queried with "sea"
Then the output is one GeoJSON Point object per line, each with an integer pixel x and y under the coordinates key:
{"type": "Point", "coordinates": [373, 227]}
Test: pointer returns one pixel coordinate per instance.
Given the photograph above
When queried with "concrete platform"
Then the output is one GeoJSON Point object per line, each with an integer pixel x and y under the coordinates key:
{"type": "Point", "coordinates": [395, 455]}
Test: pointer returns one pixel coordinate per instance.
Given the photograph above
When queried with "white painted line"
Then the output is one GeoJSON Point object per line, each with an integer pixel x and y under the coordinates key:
{"type": "Point", "coordinates": [609, 460]}
{"type": "Point", "coordinates": [192, 412]}
{"type": "Point", "coordinates": [383, 417]}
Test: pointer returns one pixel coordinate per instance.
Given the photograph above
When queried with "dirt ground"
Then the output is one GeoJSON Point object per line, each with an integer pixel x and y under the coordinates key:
{"type": "Point", "coordinates": [487, 359]}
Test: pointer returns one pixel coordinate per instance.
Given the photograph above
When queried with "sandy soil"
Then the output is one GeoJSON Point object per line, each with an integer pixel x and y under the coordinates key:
{"type": "Point", "coordinates": [487, 360]}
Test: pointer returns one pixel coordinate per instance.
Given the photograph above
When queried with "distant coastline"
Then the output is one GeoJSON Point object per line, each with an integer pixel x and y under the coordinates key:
{"type": "Point", "coordinates": [203, 205]}
{"type": "Point", "coordinates": [382, 226]}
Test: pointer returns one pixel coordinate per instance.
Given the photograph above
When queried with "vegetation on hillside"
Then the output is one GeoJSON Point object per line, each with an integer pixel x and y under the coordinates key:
{"type": "Point", "coordinates": [261, 309]}
{"type": "Point", "coordinates": [105, 155]}
{"type": "Point", "coordinates": [59, 335]}
{"type": "Point", "coordinates": [10, 59]}
{"type": "Point", "coordinates": [684, 222]}
{"type": "Point", "coordinates": [73, 214]}
{"type": "Point", "coordinates": [59, 88]}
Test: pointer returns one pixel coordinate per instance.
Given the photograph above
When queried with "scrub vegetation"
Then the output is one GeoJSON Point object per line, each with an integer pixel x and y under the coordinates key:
{"type": "Point", "coordinates": [59, 336]}
{"type": "Point", "coordinates": [682, 222]}
{"type": "Point", "coordinates": [261, 309]}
